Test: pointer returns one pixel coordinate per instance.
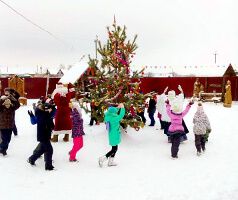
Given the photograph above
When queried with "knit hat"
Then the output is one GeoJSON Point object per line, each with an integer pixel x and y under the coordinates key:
{"type": "Point", "coordinates": [112, 110]}
{"type": "Point", "coordinates": [7, 89]}
{"type": "Point", "coordinates": [175, 108]}
{"type": "Point", "coordinates": [7, 101]}
{"type": "Point", "coordinates": [171, 95]}
{"type": "Point", "coordinates": [76, 105]}
{"type": "Point", "coordinates": [200, 107]}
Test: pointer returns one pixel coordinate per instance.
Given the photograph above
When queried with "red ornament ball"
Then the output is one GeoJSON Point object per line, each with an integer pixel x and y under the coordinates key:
{"type": "Point", "coordinates": [142, 72]}
{"type": "Point", "coordinates": [134, 124]}
{"type": "Point", "coordinates": [132, 56]}
{"type": "Point", "coordinates": [108, 86]}
{"type": "Point", "coordinates": [127, 83]}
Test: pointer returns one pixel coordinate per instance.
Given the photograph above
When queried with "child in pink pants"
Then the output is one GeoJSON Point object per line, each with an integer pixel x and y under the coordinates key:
{"type": "Point", "coordinates": [77, 131]}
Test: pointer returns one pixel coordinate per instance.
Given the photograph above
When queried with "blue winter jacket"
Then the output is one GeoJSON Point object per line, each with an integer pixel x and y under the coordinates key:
{"type": "Point", "coordinates": [45, 124]}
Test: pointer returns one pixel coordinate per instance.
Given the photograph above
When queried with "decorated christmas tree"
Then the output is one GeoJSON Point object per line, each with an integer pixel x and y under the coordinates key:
{"type": "Point", "coordinates": [114, 81]}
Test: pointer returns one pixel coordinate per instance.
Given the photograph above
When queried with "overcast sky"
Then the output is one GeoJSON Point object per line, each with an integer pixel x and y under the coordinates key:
{"type": "Point", "coordinates": [170, 32]}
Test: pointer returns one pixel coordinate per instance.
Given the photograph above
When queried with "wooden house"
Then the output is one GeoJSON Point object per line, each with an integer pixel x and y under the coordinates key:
{"type": "Point", "coordinates": [80, 74]}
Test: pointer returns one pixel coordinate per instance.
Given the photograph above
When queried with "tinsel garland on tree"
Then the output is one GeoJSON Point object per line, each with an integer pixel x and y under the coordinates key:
{"type": "Point", "coordinates": [114, 82]}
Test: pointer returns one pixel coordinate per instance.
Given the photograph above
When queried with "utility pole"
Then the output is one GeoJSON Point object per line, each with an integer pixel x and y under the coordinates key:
{"type": "Point", "coordinates": [215, 56]}
{"type": "Point", "coordinates": [96, 42]}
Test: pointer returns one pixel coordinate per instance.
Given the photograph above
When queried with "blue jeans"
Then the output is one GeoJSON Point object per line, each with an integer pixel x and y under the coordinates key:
{"type": "Point", "coordinates": [151, 116]}
{"type": "Point", "coordinates": [6, 138]}
{"type": "Point", "coordinates": [14, 129]}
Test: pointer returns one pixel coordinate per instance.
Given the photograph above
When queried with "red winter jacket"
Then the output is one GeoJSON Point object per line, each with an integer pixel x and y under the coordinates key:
{"type": "Point", "coordinates": [62, 116]}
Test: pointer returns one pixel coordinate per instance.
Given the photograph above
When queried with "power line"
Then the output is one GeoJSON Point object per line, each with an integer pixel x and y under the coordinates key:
{"type": "Point", "coordinates": [71, 47]}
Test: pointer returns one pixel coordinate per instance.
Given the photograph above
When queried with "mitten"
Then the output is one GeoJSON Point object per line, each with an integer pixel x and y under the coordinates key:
{"type": "Point", "coordinates": [191, 103]}
{"type": "Point", "coordinates": [167, 101]}
{"type": "Point", "coordinates": [165, 90]}
{"type": "Point", "coordinates": [180, 88]}
{"type": "Point", "coordinates": [30, 113]}
{"type": "Point", "coordinates": [3, 97]}
{"type": "Point", "coordinates": [70, 85]}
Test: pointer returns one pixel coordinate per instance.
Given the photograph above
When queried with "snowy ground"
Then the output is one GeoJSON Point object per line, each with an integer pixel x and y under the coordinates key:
{"type": "Point", "coordinates": [145, 170]}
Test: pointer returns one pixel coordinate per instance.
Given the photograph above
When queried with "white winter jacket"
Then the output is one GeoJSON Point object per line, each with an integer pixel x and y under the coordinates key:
{"type": "Point", "coordinates": [201, 123]}
{"type": "Point", "coordinates": [161, 105]}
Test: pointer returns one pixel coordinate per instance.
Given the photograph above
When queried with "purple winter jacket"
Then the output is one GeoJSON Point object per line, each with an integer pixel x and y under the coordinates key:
{"type": "Point", "coordinates": [77, 123]}
{"type": "Point", "coordinates": [176, 119]}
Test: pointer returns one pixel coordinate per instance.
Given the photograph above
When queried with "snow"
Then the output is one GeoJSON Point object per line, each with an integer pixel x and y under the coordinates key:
{"type": "Point", "coordinates": [75, 72]}
{"type": "Point", "coordinates": [145, 170]}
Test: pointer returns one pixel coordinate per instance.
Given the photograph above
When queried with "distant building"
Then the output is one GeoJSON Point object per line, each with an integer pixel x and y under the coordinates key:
{"type": "Point", "coordinates": [22, 72]}
{"type": "Point", "coordinates": [53, 73]}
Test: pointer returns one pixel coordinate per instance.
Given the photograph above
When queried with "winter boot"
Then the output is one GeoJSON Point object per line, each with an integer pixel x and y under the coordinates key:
{"type": "Point", "coordinates": [4, 152]}
{"type": "Point", "coordinates": [199, 153]}
{"type": "Point", "coordinates": [174, 158]}
{"type": "Point", "coordinates": [111, 163]}
{"type": "Point", "coordinates": [75, 160]}
{"type": "Point", "coordinates": [54, 139]}
{"type": "Point", "coordinates": [31, 161]}
{"type": "Point", "coordinates": [49, 168]}
{"type": "Point", "coordinates": [66, 137]}
{"type": "Point", "coordinates": [101, 160]}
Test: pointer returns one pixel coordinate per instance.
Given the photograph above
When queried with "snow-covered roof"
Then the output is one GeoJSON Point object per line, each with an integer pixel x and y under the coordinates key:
{"type": "Point", "coordinates": [74, 72]}
{"type": "Point", "coordinates": [202, 70]}
{"type": "Point", "coordinates": [16, 70]}
{"type": "Point", "coordinates": [209, 70]}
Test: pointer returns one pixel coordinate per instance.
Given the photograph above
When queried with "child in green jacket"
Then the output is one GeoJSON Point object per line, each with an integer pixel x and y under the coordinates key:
{"type": "Point", "coordinates": [114, 134]}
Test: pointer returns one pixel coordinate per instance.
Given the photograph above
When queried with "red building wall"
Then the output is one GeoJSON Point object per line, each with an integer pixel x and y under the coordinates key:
{"type": "Point", "coordinates": [36, 87]}
{"type": "Point", "coordinates": [4, 82]}
{"type": "Point", "coordinates": [211, 84]}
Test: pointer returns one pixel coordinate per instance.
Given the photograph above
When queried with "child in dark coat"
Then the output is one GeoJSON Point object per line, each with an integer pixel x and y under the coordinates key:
{"type": "Point", "coordinates": [7, 121]}
{"type": "Point", "coordinates": [8, 92]}
{"type": "Point", "coordinates": [152, 108]}
{"type": "Point", "coordinates": [44, 120]}
{"type": "Point", "coordinates": [77, 131]}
